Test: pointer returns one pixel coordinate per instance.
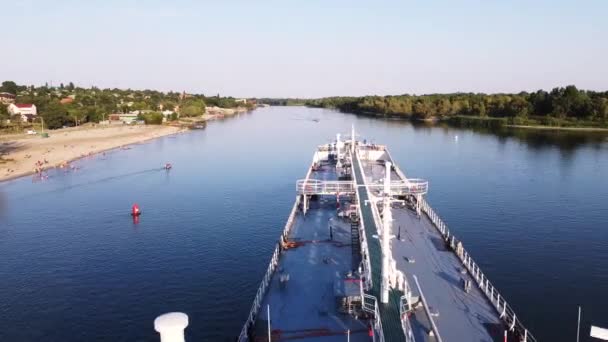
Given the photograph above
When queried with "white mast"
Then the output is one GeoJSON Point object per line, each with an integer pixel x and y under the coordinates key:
{"type": "Point", "coordinates": [338, 146]}
{"type": "Point", "coordinates": [352, 139]}
{"type": "Point", "coordinates": [386, 229]}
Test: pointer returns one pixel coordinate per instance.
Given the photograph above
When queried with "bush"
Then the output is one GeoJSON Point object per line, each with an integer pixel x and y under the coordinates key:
{"type": "Point", "coordinates": [192, 107]}
{"type": "Point", "coordinates": [154, 118]}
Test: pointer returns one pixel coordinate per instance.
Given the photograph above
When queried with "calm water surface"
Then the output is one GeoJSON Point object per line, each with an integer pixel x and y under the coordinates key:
{"type": "Point", "coordinates": [531, 208]}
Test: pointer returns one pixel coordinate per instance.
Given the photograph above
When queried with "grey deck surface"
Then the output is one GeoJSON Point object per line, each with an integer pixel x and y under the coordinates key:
{"type": "Point", "coordinates": [307, 300]}
{"type": "Point", "coordinates": [459, 316]}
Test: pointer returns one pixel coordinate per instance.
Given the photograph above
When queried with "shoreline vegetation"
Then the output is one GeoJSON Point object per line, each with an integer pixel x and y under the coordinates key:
{"type": "Point", "coordinates": [564, 108]}
{"type": "Point", "coordinates": [81, 122]}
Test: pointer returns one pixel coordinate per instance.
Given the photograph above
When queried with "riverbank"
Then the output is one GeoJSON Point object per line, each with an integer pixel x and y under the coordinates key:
{"type": "Point", "coordinates": [546, 122]}
{"type": "Point", "coordinates": [559, 128]}
{"type": "Point", "coordinates": [20, 153]}
{"type": "Point", "coordinates": [481, 122]}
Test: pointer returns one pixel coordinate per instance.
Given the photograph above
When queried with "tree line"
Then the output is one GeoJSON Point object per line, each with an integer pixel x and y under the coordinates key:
{"type": "Point", "coordinates": [563, 106]}
{"type": "Point", "coordinates": [94, 104]}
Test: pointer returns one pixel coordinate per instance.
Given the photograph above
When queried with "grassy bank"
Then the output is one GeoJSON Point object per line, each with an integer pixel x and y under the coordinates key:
{"type": "Point", "coordinates": [527, 122]}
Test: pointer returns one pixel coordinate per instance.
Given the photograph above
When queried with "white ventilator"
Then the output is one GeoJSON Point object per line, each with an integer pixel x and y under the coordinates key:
{"type": "Point", "coordinates": [171, 326]}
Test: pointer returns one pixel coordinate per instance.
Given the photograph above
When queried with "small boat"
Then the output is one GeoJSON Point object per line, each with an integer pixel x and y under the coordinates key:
{"type": "Point", "coordinates": [168, 166]}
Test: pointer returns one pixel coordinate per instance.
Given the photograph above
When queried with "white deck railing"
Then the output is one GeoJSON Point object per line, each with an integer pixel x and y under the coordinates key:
{"type": "Point", "coordinates": [406, 325]}
{"type": "Point", "coordinates": [259, 296]}
{"type": "Point", "coordinates": [370, 305]}
{"type": "Point", "coordinates": [507, 314]}
{"type": "Point", "coordinates": [322, 187]}
{"type": "Point", "coordinates": [412, 186]}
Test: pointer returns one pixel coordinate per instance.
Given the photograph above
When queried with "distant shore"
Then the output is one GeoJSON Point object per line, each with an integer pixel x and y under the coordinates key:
{"type": "Point", "coordinates": [19, 153]}
{"type": "Point", "coordinates": [560, 128]}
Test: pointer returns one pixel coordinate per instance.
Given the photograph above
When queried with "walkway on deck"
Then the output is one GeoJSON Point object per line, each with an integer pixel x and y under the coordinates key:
{"type": "Point", "coordinates": [389, 313]}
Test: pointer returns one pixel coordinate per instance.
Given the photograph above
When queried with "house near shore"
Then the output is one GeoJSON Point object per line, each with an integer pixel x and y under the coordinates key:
{"type": "Point", "coordinates": [167, 115]}
{"type": "Point", "coordinates": [126, 118]}
{"type": "Point", "coordinates": [7, 98]}
{"type": "Point", "coordinates": [27, 111]}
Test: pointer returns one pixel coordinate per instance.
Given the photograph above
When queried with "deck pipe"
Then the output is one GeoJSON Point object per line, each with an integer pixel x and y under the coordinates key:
{"type": "Point", "coordinates": [386, 228]}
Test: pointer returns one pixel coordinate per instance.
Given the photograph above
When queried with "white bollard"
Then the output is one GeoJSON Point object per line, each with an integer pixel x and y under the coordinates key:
{"type": "Point", "coordinates": [171, 326]}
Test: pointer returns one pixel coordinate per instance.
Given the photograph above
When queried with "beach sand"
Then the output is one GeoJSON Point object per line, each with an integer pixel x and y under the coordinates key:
{"type": "Point", "coordinates": [19, 153]}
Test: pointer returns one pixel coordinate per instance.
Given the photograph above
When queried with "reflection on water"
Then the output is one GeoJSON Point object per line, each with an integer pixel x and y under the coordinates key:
{"type": "Point", "coordinates": [565, 140]}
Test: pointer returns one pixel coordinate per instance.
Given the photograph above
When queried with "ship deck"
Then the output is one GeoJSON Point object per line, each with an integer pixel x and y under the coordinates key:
{"type": "Point", "coordinates": [420, 251]}
{"type": "Point", "coordinates": [304, 308]}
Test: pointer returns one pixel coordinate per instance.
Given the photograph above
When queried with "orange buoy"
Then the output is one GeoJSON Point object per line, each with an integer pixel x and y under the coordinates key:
{"type": "Point", "coordinates": [135, 210]}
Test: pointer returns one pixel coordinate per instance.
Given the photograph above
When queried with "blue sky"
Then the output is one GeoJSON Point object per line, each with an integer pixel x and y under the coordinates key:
{"type": "Point", "coordinates": [308, 48]}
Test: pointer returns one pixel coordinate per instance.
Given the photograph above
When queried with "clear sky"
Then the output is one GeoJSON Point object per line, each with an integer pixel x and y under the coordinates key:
{"type": "Point", "coordinates": [307, 48]}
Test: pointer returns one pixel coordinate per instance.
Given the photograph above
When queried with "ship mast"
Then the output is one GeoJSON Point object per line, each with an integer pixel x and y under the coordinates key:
{"type": "Point", "coordinates": [352, 140]}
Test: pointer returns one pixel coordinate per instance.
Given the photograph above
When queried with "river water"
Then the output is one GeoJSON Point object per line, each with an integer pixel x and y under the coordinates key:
{"type": "Point", "coordinates": [530, 206]}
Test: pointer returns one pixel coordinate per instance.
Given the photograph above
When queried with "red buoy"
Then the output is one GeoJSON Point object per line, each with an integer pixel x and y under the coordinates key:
{"type": "Point", "coordinates": [135, 210]}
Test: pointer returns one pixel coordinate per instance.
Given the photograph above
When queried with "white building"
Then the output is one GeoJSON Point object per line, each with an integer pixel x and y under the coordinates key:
{"type": "Point", "coordinates": [7, 98]}
{"type": "Point", "coordinates": [27, 111]}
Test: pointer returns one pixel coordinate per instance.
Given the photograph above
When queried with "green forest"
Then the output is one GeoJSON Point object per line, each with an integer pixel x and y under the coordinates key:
{"type": "Point", "coordinates": [564, 106]}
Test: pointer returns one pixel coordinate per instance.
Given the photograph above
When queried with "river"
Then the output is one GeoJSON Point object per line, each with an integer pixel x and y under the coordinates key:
{"type": "Point", "coordinates": [530, 206]}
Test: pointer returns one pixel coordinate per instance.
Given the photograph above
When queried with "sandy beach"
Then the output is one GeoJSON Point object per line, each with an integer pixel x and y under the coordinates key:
{"type": "Point", "coordinates": [20, 153]}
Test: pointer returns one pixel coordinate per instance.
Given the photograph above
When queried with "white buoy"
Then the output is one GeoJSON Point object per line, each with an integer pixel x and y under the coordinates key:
{"type": "Point", "coordinates": [171, 326]}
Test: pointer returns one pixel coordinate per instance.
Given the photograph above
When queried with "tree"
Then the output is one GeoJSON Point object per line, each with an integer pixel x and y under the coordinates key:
{"type": "Point", "coordinates": [154, 118]}
{"type": "Point", "coordinates": [93, 114]}
{"type": "Point", "coordinates": [55, 115]}
{"type": "Point", "coordinates": [16, 119]}
{"type": "Point", "coordinates": [3, 112]}
{"type": "Point", "coordinates": [444, 106]}
{"type": "Point", "coordinates": [3, 115]}
{"type": "Point", "coordinates": [168, 105]}
{"type": "Point", "coordinates": [192, 107]}
{"type": "Point", "coordinates": [9, 87]}
{"type": "Point", "coordinates": [191, 110]}
{"type": "Point", "coordinates": [77, 114]}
